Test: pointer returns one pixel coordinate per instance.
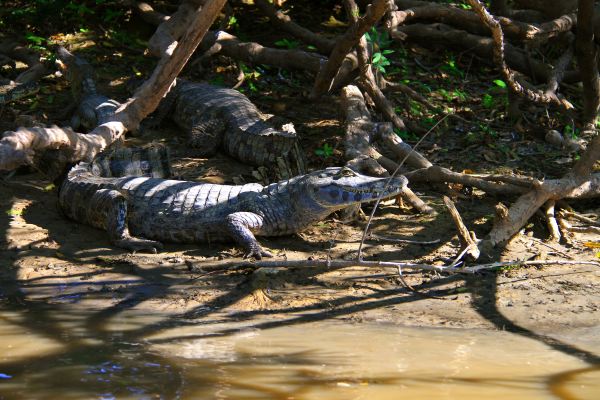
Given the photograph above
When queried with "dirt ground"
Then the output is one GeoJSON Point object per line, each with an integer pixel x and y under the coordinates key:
{"type": "Point", "coordinates": [46, 258]}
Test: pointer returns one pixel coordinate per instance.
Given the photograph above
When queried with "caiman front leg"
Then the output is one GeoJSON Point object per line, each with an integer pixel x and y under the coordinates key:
{"type": "Point", "coordinates": [113, 205]}
{"type": "Point", "coordinates": [239, 227]}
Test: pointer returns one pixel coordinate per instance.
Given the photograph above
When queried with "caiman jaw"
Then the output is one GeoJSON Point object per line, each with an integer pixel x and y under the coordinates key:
{"type": "Point", "coordinates": [342, 188]}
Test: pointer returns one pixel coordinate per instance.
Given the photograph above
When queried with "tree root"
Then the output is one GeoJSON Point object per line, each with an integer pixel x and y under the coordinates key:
{"type": "Point", "coordinates": [513, 29]}
{"type": "Point", "coordinates": [22, 146]}
{"type": "Point", "coordinates": [355, 32]}
{"type": "Point", "coordinates": [284, 22]}
{"type": "Point", "coordinates": [442, 34]}
{"type": "Point", "coordinates": [536, 96]}
{"type": "Point", "coordinates": [468, 240]}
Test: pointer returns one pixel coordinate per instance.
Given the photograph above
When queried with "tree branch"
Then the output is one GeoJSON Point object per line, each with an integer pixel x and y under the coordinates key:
{"type": "Point", "coordinates": [324, 79]}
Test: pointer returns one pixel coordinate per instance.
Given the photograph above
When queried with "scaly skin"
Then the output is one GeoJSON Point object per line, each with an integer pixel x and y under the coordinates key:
{"type": "Point", "coordinates": [141, 212]}
{"type": "Point", "coordinates": [151, 161]}
{"type": "Point", "coordinates": [93, 109]}
{"type": "Point", "coordinates": [217, 117]}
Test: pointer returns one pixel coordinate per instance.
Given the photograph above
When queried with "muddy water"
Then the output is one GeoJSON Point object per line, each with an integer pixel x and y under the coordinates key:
{"type": "Point", "coordinates": [63, 353]}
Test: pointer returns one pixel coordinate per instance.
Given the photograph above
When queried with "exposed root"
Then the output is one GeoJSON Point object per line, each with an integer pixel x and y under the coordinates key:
{"type": "Point", "coordinates": [536, 96]}
{"type": "Point", "coordinates": [355, 32]}
{"type": "Point", "coordinates": [468, 240]}
{"type": "Point", "coordinates": [551, 221]}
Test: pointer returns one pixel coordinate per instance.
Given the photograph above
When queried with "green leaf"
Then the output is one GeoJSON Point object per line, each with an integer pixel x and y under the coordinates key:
{"type": "Point", "coordinates": [35, 39]}
{"type": "Point", "coordinates": [376, 57]}
{"type": "Point", "coordinates": [13, 212]}
{"type": "Point", "coordinates": [487, 101]}
{"type": "Point", "coordinates": [500, 83]}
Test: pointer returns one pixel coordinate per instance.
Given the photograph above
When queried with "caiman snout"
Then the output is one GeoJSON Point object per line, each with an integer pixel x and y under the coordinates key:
{"type": "Point", "coordinates": [340, 187]}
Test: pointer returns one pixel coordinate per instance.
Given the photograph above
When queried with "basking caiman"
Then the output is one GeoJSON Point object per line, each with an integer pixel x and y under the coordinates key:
{"type": "Point", "coordinates": [217, 117]}
{"type": "Point", "coordinates": [139, 212]}
{"type": "Point", "coordinates": [93, 108]}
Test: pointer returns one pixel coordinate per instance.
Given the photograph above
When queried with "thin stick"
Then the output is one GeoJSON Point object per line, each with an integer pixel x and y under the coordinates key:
{"type": "Point", "coordinates": [383, 264]}
{"type": "Point", "coordinates": [362, 241]}
{"type": "Point", "coordinates": [476, 268]}
{"type": "Point", "coordinates": [396, 240]}
{"type": "Point", "coordinates": [580, 217]}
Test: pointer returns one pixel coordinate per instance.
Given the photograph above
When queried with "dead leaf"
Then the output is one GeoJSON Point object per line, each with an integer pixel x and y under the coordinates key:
{"type": "Point", "coordinates": [332, 22]}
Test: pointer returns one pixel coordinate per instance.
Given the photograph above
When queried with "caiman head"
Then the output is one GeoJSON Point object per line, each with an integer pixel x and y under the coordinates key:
{"type": "Point", "coordinates": [337, 188]}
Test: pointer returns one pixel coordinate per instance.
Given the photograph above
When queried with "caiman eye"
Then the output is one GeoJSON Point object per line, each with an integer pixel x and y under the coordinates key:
{"type": "Point", "coordinates": [347, 172]}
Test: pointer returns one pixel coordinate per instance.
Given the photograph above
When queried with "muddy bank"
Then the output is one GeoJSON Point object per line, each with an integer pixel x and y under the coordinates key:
{"type": "Point", "coordinates": [46, 258]}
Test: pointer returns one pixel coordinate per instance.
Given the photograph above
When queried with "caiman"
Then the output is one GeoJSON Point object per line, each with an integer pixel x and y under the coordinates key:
{"type": "Point", "coordinates": [93, 108]}
{"type": "Point", "coordinates": [141, 212]}
{"type": "Point", "coordinates": [216, 117]}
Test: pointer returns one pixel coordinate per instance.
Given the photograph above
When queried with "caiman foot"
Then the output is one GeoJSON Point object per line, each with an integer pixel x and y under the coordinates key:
{"type": "Point", "coordinates": [137, 244]}
{"type": "Point", "coordinates": [258, 253]}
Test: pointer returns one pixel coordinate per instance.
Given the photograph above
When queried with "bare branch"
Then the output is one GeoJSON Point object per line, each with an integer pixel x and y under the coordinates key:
{"type": "Point", "coordinates": [324, 79]}
{"type": "Point", "coordinates": [20, 147]}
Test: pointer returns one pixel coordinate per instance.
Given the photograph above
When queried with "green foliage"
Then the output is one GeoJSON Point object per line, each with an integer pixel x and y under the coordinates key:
{"type": "Point", "coordinates": [251, 76]}
{"type": "Point", "coordinates": [379, 42]}
{"type": "Point", "coordinates": [452, 95]}
{"type": "Point", "coordinates": [288, 44]}
{"type": "Point", "coordinates": [495, 96]}
{"type": "Point", "coordinates": [232, 23]}
{"type": "Point", "coordinates": [571, 132]}
{"type": "Point", "coordinates": [451, 68]}
{"type": "Point", "coordinates": [487, 100]}
{"type": "Point", "coordinates": [405, 135]}
{"type": "Point", "coordinates": [325, 151]}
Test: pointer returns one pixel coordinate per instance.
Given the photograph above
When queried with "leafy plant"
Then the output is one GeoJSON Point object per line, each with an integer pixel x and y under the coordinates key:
{"type": "Point", "coordinates": [288, 44]}
{"type": "Point", "coordinates": [489, 100]}
{"type": "Point", "coordinates": [405, 135]}
{"type": "Point", "coordinates": [325, 151]}
{"type": "Point", "coordinates": [450, 67]}
{"type": "Point", "coordinates": [456, 94]}
{"type": "Point", "coordinates": [250, 76]}
{"type": "Point", "coordinates": [500, 83]}
{"type": "Point", "coordinates": [571, 132]}
{"type": "Point", "coordinates": [379, 42]}
{"type": "Point", "coordinates": [232, 23]}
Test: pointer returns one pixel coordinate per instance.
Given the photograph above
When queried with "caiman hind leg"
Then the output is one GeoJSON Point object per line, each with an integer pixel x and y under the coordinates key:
{"type": "Point", "coordinates": [112, 205]}
{"type": "Point", "coordinates": [206, 134]}
{"type": "Point", "coordinates": [239, 226]}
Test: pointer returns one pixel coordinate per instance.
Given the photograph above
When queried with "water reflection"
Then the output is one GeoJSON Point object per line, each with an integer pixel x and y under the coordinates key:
{"type": "Point", "coordinates": [324, 360]}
